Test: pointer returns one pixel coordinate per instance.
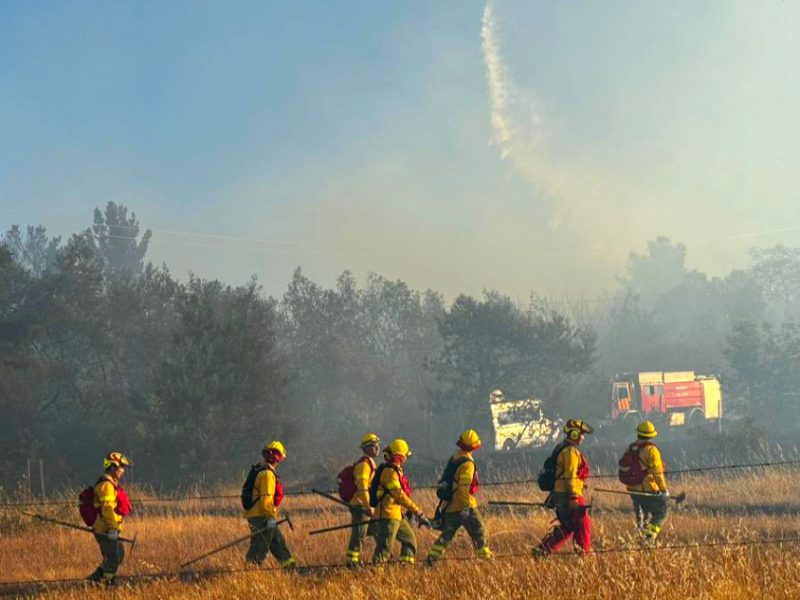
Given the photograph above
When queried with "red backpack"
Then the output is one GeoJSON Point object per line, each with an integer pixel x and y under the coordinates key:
{"type": "Point", "coordinates": [89, 511]}
{"type": "Point", "coordinates": [347, 480]}
{"type": "Point", "coordinates": [632, 471]}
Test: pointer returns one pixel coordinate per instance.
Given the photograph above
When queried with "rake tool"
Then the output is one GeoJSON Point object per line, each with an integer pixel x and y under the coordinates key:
{"type": "Point", "coordinates": [78, 527]}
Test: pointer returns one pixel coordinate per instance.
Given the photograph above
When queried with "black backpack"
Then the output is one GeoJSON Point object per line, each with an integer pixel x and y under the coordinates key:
{"type": "Point", "coordinates": [444, 490]}
{"type": "Point", "coordinates": [247, 488]}
{"type": "Point", "coordinates": [547, 476]}
{"type": "Point", "coordinates": [376, 483]}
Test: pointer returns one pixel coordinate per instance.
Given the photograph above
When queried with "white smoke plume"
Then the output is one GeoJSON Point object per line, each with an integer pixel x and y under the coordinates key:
{"type": "Point", "coordinates": [582, 200]}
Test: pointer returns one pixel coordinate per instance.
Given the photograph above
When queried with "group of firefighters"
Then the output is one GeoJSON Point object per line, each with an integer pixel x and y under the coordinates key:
{"type": "Point", "coordinates": [381, 505]}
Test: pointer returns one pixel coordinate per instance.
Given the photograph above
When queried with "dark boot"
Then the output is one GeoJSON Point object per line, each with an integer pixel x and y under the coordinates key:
{"type": "Point", "coordinates": [97, 576]}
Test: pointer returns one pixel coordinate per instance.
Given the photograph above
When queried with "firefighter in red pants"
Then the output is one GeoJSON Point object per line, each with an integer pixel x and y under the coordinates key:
{"type": "Point", "coordinates": [571, 470]}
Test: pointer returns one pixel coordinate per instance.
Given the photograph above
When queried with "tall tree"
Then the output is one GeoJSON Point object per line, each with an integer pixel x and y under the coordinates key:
{"type": "Point", "coordinates": [116, 236]}
{"type": "Point", "coordinates": [493, 344]}
{"type": "Point", "coordinates": [35, 251]}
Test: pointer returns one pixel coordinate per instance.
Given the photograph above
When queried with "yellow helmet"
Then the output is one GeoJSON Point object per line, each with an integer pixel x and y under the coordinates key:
{"type": "Point", "coordinates": [469, 440]}
{"type": "Point", "coordinates": [116, 459]}
{"type": "Point", "coordinates": [398, 447]}
{"type": "Point", "coordinates": [646, 429]}
{"type": "Point", "coordinates": [275, 447]}
{"type": "Point", "coordinates": [575, 429]}
{"type": "Point", "coordinates": [370, 439]}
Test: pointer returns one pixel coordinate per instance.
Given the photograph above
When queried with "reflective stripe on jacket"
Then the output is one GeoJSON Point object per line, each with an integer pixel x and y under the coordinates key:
{"type": "Point", "coordinates": [655, 481]}
{"type": "Point", "coordinates": [568, 464]}
{"type": "Point", "coordinates": [462, 482]}
{"type": "Point", "coordinates": [264, 495]}
{"type": "Point", "coordinates": [363, 472]}
{"type": "Point", "coordinates": [105, 500]}
{"type": "Point", "coordinates": [392, 497]}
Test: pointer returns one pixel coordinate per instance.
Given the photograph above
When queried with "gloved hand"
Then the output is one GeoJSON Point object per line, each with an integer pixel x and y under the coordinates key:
{"type": "Point", "coordinates": [424, 521]}
{"type": "Point", "coordinates": [573, 503]}
{"type": "Point", "coordinates": [271, 523]}
{"type": "Point", "coordinates": [463, 516]}
{"type": "Point", "coordinates": [665, 494]}
{"type": "Point", "coordinates": [113, 534]}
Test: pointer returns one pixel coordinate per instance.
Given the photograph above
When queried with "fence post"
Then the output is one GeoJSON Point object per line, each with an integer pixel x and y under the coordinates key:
{"type": "Point", "coordinates": [41, 480]}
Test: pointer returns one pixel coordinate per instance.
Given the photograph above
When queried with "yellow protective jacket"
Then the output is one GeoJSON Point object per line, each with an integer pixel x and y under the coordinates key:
{"type": "Point", "coordinates": [363, 473]}
{"type": "Point", "coordinates": [264, 495]}
{"type": "Point", "coordinates": [461, 484]}
{"type": "Point", "coordinates": [392, 498]}
{"type": "Point", "coordinates": [105, 501]}
{"type": "Point", "coordinates": [650, 456]}
{"type": "Point", "coordinates": [567, 465]}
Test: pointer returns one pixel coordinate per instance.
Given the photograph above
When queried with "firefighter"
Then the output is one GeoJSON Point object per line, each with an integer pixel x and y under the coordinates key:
{"type": "Point", "coordinates": [651, 512]}
{"type": "Point", "coordinates": [393, 494]}
{"type": "Point", "coordinates": [263, 515]}
{"type": "Point", "coordinates": [571, 471]}
{"type": "Point", "coordinates": [108, 524]}
{"type": "Point", "coordinates": [457, 491]}
{"type": "Point", "coordinates": [360, 509]}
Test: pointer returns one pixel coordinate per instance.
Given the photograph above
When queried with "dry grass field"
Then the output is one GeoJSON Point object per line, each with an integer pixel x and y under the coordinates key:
{"type": "Point", "coordinates": [761, 504]}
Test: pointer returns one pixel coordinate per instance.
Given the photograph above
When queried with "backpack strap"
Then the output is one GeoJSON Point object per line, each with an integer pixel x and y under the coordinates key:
{"type": "Point", "coordinates": [104, 478]}
{"type": "Point", "coordinates": [637, 447]}
{"type": "Point", "coordinates": [366, 459]}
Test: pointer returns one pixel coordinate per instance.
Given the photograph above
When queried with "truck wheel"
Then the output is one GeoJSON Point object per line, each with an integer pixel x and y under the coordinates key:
{"type": "Point", "coordinates": [633, 417]}
{"type": "Point", "coordinates": [509, 445]}
{"type": "Point", "coordinates": [697, 419]}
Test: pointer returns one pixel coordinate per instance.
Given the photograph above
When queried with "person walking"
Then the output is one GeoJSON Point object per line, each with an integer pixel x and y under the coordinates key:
{"type": "Point", "coordinates": [262, 516]}
{"type": "Point", "coordinates": [391, 493]}
{"type": "Point", "coordinates": [571, 471]}
{"type": "Point", "coordinates": [456, 491]}
{"type": "Point", "coordinates": [642, 469]}
{"type": "Point", "coordinates": [112, 506]}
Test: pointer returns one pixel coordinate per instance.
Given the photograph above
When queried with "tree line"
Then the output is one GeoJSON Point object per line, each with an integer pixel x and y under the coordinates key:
{"type": "Point", "coordinates": [99, 348]}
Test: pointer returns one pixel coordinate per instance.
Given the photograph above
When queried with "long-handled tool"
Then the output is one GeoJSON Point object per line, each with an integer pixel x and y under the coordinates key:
{"type": "Point", "coordinates": [678, 499]}
{"type": "Point", "coordinates": [78, 527]}
{"type": "Point", "coordinates": [339, 501]}
{"type": "Point", "coordinates": [515, 503]}
{"type": "Point", "coordinates": [338, 527]}
{"type": "Point", "coordinates": [330, 497]}
{"type": "Point", "coordinates": [239, 540]}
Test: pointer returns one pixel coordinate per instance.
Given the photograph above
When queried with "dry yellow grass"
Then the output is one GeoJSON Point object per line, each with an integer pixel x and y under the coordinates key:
{"type": "Point", "coordinates": [759, 505]}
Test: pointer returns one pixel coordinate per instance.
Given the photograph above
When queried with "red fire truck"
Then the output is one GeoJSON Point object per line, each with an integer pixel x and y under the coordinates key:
{"type": "Point", "coordinates": [677, 398]}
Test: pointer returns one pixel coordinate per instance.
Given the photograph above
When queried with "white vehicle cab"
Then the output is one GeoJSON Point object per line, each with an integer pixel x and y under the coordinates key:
{"type": "Point", "coordinates": [520, 423]}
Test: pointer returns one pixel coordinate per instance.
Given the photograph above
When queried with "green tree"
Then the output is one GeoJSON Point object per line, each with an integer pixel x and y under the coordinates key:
{"type": "Point", "coordinates": [220, 390]}
{"type": "Point", "coordinates": [35, 251]}
{"type": "Point", "coordinates": [116, 236]}
{"type": "Point", "coordinates": [493, 344]}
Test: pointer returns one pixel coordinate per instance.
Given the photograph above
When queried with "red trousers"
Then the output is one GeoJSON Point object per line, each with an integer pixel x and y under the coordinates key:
{"type": "Point", "coordinates": [573, 524]}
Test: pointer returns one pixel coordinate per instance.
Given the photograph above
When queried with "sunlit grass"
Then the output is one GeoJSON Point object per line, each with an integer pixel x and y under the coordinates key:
{"type": "Point", "coordinates": [749, 506]}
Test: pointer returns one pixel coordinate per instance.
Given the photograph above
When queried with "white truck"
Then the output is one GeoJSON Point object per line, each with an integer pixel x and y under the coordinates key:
{"type": "Point", "coordinates": [520, 423]}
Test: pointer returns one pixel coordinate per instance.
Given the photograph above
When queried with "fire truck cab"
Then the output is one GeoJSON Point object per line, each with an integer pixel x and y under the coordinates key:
{"type": "Point", "coordinates": [677, 397]}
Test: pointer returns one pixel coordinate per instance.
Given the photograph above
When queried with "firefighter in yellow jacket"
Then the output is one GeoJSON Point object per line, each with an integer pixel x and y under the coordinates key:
{"type": "Point", "coordinates": [571, 472]}
{"type": "Point", "coordinates": [108, 524]}
{"type": "Point", "coordinates": [456, 491]}
{"type": "Point", "coordinates": [651, 512]}
{"type": "Point", "coordinates": [262, 516]}
{"type": "Point", "coordinates": [393, 492]}
{"type": "Point", "coordinates": [360, 509]}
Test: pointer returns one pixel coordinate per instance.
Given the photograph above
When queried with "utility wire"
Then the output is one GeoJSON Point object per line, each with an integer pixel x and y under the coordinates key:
{"type": "Point", "coordinates": [167, 499]}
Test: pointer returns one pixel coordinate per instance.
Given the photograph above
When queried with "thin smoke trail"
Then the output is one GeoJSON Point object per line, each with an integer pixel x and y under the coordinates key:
{"type": "Point", "coordinates": [506, 103]}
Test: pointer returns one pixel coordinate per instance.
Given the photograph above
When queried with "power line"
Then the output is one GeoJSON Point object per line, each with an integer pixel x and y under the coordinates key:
{"type": "Point", "coordinates": [169, 499]}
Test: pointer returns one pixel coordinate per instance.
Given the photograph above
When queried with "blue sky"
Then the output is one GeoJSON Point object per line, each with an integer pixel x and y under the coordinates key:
{"type": "Point", "coordinates": [333, 135]}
